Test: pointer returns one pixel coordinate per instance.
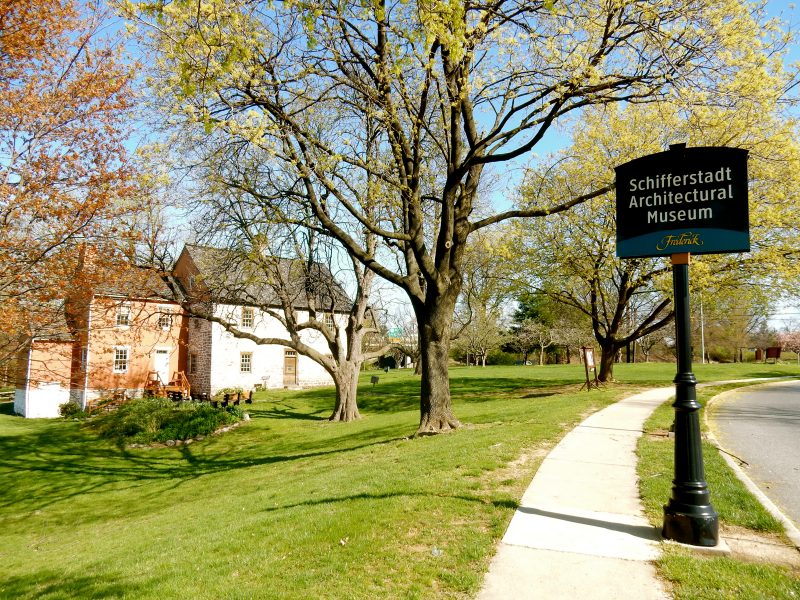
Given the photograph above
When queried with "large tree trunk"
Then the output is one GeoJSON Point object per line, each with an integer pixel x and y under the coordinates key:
{"type": "Point", "coordinates": [436, 414]}
{"type": "Point", "coordinates": [346, 380]}
{"type": "Point", "coordinates": [607, 354]}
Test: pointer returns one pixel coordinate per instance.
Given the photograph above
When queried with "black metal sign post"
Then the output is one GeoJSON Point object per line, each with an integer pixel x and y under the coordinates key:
{"type": "Point", "coordinates": [688, 516]}
{"type": "Point", "coordinates": [670, 204]}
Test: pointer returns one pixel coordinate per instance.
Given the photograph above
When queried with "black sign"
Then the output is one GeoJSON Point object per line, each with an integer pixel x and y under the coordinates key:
{"type": "Point", "coordinates": [683, 200]}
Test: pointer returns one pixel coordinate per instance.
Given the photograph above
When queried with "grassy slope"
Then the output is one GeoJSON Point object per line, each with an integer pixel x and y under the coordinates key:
{"type": "Point", "coordinates": [290, 506]}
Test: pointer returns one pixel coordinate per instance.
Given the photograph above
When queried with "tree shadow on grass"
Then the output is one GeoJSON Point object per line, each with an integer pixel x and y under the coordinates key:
{"type": "Point", "coordinates": [405, 395]}
{"type": "Point", "coordinates": [539, 395]}
{"type": "Point", "coordinates": [388, 397]}
{"type": "Point", "coordinates": [57, 585]}
{"type": "Point", "coordinates": [318, 403]}
{"type": "Point", "coordinates": [49, 466]}
{"type": "Point", "coordinates": [498, 503]}
{"type": "Point", "coordinates": [392, 394]}
{"type": "Point", "coordinates": [485, 390]}
{"type": "Point", "coordinates": [281, 409]}
{"type": "Point", "coordinates": [53, 462]}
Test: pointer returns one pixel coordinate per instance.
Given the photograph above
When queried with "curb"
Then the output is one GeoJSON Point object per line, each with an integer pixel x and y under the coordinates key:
{"type": "Point", "coordinates": [791, 530]}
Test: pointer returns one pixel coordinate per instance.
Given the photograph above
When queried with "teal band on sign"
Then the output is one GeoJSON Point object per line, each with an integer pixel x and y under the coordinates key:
{"type": "Point", "coordinates": [695, 241]}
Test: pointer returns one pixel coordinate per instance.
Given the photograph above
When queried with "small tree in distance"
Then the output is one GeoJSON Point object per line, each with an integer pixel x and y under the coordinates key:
{"type": "Point", "coordinates": [537, 334]}
{"type": "Point", "coordinates": [481, 334]}
{"type": "Point", "coordinates": [790, 340]}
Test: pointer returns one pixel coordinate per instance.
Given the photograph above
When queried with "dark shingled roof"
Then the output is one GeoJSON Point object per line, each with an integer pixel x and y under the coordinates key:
{"type": "Point", "coordinates": [54, 328]}
{"type": "Point", "coordinates": [134, 282]}
{"type": "Point", "coordinates": [231, 278]}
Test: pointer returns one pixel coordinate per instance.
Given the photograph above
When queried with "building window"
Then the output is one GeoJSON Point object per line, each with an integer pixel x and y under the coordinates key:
{"type": "Point", "coordinates": [192, 364]}
{"type": "Point", "coordinates": [329, 320]}
{"type": "Point", "coordinates": [247, 316]}
{"type": "Point", "coordinates": [165, 317]}
{"type": "Point", "coordinates": [120, 359]}
{"type": "Point", "coordinates": [246, 362]}
{"type": "Point", "coordinates": [124, 315]}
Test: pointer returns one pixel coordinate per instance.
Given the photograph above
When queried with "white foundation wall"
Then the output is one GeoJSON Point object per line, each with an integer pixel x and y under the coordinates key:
{"type": "Point", "coordinates": [267, 360]}
{"type": "Point", "coordinates": [40, 402]}
{"type": "Point", "coordinates": [19, 401]}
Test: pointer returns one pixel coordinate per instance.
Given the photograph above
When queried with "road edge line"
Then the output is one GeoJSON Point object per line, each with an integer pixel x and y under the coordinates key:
{"type": "Point", "coordinates": [792, 532]}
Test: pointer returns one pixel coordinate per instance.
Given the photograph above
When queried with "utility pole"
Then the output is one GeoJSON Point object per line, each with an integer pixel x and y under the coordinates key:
{"type": "Point", "coordinates": [702, 333]}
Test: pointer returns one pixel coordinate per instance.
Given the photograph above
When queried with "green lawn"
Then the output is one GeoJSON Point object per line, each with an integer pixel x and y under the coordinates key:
{"type": "Point", "coordinates": [289, 505]}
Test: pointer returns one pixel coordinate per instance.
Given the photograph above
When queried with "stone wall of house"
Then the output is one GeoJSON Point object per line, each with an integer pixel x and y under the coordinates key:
{"type": "Point", "coordinates": [200, 348]}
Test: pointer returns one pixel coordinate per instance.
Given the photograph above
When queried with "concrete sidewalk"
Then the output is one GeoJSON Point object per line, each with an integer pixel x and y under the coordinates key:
{"type": "Point", "coordinates": [579, 531]}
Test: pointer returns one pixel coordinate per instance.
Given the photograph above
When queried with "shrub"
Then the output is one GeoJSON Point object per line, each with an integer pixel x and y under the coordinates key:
{"type": "Point", "coordinates": [149, 420]}
{"type": "Point", "coordinates": [70, 410]}
{"type": "Point", "coordinates": [498, 357]}
{"type": "Point", "coordinates": [229, 390]}
{"type": "Point", "coordinates": [719, 354]}
{"type": "Point", "coordinates": [236, 411]}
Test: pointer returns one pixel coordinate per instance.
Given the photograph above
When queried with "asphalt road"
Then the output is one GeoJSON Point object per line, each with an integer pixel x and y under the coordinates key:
{"type": "Point", "coordinates": [761, 426]}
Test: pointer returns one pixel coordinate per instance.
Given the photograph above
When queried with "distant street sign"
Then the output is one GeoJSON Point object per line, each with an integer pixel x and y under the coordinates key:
{"type": "Point", "coordinates": [683, 200]}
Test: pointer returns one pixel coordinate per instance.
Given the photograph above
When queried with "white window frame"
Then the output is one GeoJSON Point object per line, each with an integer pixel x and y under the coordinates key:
{"type": "Point", "coordinates": [165, 314]}
{"type": "Point", "coordinates": [248, 317]}
{"type": "Point", "coordinates": [245, 362]}
{"type": "Point", "coordinates": [329, 320]}
{"type": "Point", "coordinates": [123, 319]}
{"type": "Point", "coordinates": [119, 364]}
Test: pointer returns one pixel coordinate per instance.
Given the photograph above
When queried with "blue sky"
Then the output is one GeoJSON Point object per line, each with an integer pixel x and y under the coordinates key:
{"type": "Point", "coordinates": [508, 176]}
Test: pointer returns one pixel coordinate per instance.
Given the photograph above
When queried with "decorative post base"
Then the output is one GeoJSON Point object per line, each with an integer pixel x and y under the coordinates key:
{"type": "Point", "coordinates": [694, 529]}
